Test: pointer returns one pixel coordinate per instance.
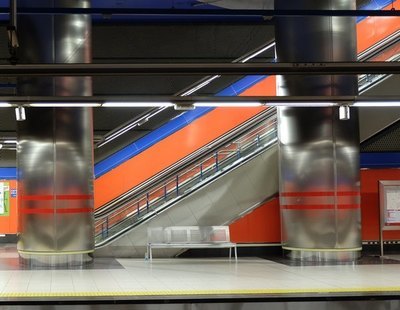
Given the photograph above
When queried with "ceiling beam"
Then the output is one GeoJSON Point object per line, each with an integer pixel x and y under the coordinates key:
{"type": "Point", "coordinates": [314, 68]}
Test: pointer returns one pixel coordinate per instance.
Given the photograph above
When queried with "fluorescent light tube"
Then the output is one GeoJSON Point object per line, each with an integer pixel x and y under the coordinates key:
{"type": "Point", "coordinates": [376, 104]}
{"type": "Point", "coordinates": [136, 104]}
{"type": "Point", "coordinates": [64, 104]}
{"type": "Point", "coordinates": [5, 105]}
{"type": "Point", "coordinates": [300, 104]}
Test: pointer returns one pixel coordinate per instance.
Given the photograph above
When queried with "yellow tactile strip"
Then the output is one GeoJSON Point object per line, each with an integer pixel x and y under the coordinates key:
{"type": "Point", "coordinates": [202, 292]}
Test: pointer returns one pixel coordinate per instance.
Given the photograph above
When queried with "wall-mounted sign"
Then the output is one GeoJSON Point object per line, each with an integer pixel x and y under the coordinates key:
{"type": "Point", "coordinates": [13, 193]}
{"type": "Point", "coordinates": [4, 199]}
{"type": "Point", "coordinates": [389, 203]}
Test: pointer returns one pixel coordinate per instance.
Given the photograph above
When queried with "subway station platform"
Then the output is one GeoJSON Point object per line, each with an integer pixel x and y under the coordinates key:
{"type": "Point", "coordinates": [111, 282]}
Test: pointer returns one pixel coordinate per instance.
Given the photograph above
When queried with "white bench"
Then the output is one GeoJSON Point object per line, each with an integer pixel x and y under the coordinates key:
{"type": "Point", "coordinates": [185, 237]}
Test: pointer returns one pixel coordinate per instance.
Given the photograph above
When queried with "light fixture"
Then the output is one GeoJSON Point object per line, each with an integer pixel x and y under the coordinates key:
{"type": "Point", "coordinates": [344, 112]}
{"type": "Point", "coordinates": [125, 128]}
{"type": "Point", "coordinates": [5, 105]}
{"type": "Point", "coordinates": [10, 141]}
{"type": "Point", "coordinates": [64, 104]}
{"type": "Point", "coordinates": [200, 85]}
{"type": "Point", "coordinates": [257, 52]}
{"type": "Point", "coordinates": [184, 107]}
{"type": "Point", "coordinates": [143, 121]}
{"type": "Point", "coordinates": [136, 104]}
{"type": "Point", "coordinates": [20, 114]}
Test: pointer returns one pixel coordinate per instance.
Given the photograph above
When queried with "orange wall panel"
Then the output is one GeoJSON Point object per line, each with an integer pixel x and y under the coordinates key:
{"type": "Point", "coordinates": [263, 225]}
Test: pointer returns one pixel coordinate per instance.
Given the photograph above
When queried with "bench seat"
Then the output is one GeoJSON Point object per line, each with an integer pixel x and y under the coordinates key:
{"type": "Point", "coordinates": [185, 237]}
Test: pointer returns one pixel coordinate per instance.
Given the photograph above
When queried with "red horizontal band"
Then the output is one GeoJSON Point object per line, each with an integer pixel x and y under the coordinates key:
{"type": "Point", "coordinates": [56, 197]}
{"type": "Point", "coordinates": [320, 207]}
{"type": "Point", "coordinates": [308, 194]}
{"type": "Point", "coordinates": [74, 197]}
{"type": "Point", "coordinates": [61, 210]}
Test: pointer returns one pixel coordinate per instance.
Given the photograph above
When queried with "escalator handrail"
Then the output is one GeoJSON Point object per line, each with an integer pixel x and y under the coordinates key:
{"type": "Point", "coordinates": [380, 46]}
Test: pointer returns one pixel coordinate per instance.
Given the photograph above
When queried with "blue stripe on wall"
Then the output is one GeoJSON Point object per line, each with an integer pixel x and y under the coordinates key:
{"type": "Point", "coordinates": [8, 173]}
{"type": "Point", "coordinates": [380, 160]}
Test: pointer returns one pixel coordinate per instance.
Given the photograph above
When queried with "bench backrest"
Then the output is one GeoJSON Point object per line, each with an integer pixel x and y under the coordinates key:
{"type": "Point", "coordinates": [188, 234]}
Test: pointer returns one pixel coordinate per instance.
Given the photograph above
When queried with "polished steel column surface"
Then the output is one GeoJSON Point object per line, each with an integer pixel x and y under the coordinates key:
{"type": "Point", "coordinates": [55, 153]}
{"type": "Point", "coordinates": [319, 154]}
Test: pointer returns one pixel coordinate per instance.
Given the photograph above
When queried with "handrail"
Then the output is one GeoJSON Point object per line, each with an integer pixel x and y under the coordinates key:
{"type": "Point", "coordinates": [379, 47]}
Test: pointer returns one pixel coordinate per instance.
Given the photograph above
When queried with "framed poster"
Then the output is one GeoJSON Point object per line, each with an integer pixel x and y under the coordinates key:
{"type": "Point", "coordinates": [4, 199]}
{"type": "Point", "coordinates": [389, 196]}
{"type": "Point", "coordinates": [389, 204]}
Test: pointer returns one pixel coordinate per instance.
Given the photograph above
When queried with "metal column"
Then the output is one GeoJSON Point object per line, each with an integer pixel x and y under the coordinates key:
{"type": "Point", "coordinates": [319, 154]}
{"type": "Point", "coordinates": [55, 153]}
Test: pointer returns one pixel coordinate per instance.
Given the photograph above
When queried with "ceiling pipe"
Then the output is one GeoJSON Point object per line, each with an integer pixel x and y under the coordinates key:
{"type": "Point", "coordinates": [319, 68]}
{"type": "Point", "coordinates": [201, 12]}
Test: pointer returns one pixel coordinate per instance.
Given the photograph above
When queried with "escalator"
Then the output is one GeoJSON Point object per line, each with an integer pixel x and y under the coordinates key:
{"type": "Point", "coordinates": [212, 189]}
{"type": "Point", "coordinates": [232, 178]}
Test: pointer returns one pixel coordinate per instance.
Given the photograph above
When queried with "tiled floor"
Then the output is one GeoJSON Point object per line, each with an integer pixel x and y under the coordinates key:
{"type": "Point", "coordinates": [200, 277]}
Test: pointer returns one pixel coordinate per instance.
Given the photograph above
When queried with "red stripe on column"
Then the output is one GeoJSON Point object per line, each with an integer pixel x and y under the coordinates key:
{"type": "Point", "coordinates": [57, 211]}
{"type": "Point", "coordinates": [57, 197]}
{"type": "Point", "coordinates": [37, 197]}
{"type": "Point", "coordinates": [318, 194]}
{"type": "Point", "coordinates": [319, 207]}
{"type": "Point", "coordinates": [74, 197]}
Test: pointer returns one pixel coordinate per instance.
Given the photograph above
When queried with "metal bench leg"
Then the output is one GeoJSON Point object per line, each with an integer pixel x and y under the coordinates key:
{"type": "Point", "coordinates": [235, 253]}
{"type": "Point", "coordinates": [230, 253]}
{"type": "Point", "coordinates": [149, 252]}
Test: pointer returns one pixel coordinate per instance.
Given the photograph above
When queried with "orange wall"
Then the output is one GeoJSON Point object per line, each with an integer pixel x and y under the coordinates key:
{"type": "Point", "coordinates": [263, 225]}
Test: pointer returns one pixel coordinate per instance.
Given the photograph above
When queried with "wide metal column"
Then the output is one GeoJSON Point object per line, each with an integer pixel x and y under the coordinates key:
{"type": "Point", "coordinates": [319, 154]}
{"type": "Point", "coordinates": [55, 153]}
